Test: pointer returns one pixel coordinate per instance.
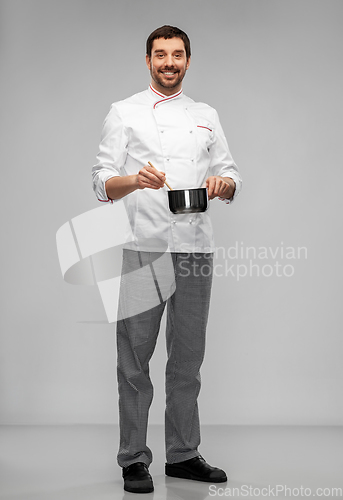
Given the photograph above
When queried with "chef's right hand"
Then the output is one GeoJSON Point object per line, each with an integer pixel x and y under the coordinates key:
{"type": "Point", "coordinates": [149, 177]}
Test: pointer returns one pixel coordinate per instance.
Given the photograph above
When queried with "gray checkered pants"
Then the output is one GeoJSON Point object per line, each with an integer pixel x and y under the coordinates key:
{"type": "Point", "coordinates": [187, 313]}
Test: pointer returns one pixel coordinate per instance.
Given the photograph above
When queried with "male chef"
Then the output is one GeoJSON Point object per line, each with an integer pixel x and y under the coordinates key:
{"type": "Point", "coordinates": [154, 136]}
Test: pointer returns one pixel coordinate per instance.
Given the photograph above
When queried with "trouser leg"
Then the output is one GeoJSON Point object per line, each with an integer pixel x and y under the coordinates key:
{"type": "Point", "coordinates": [187, 317]}
{"type": "Point", "coordinates": [136, 340]}
{"type": "Point", "coordinates": [134, 385]}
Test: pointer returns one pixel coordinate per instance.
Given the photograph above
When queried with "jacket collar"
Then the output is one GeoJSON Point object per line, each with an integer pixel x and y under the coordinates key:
{"type": "Point", "coordinates": [160, 98]}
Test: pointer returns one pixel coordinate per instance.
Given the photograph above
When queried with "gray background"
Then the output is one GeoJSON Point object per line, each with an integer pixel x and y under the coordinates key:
{"type": "Point", "coordinates": [273, 70]}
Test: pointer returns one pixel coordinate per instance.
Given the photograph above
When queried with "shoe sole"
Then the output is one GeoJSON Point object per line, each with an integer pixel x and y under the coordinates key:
{"type": "Point", "coordinates": [183, 474]}
{"type": "Point", "coordinates": [148, 489]}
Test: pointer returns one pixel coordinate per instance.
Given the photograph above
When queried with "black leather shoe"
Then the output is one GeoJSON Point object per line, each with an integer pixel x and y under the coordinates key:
{"type": "Point", "coordinates": [137, 478]}
{"type": "Point", "coordinates": [197, 469]}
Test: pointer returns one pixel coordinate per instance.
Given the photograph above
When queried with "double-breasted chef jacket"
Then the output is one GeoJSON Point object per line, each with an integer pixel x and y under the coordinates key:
{"type": "Point", "coordinates": [178, 136]}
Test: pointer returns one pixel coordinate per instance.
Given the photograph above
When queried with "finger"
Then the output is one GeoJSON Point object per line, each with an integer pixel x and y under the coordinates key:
{"type": "Point", "coordinates": [219, 188]}
{"type": "Point", "coordinates": [209, 189]}
{"type": "Point", "coordinates": [212, 187]}
{"type": "Point", "coordinates": [224, 189]}
{"type": "Point", "coordinates": [149, 185]}
{"type": "Point", "coordinates": [145, 182]}
{"type": "Point", "coordinates": [155, 172]}
{"type": "Point", "coordinates": [155, 180]}
{"type": "Point", "coordinates": [149, 175]}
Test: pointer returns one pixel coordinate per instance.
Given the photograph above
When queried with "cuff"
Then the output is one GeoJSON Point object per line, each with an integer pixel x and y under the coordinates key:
{"type": "Point", "coordinates": [238, 181]}
{"type": "Point", "coordinates": [100, 190]}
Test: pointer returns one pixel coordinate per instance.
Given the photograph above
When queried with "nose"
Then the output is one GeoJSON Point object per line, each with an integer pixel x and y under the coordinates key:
{"type": "Point", "coordinates": [169, 60]}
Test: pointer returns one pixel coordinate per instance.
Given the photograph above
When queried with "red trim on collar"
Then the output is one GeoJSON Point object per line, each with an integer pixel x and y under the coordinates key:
{"type": "Point", "coordinates": [152, 88]}
{"type": "Point", "coordinates": [167, 98]}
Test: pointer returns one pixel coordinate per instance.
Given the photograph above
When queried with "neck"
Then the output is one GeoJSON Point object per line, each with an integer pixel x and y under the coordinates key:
{"type": "Point", "coordinates": [165, 91]}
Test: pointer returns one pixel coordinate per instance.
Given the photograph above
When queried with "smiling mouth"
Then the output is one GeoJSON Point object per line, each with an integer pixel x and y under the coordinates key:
{"type": "Point", "coordinates": [169, 73]}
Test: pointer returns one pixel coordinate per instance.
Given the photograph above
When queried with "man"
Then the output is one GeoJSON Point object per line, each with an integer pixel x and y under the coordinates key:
{"type": "Point", "coordinates": [184, 142]}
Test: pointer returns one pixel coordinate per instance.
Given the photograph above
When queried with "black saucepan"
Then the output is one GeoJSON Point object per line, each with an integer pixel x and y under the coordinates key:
{"type": "Point", "coordinates": [188, 201]}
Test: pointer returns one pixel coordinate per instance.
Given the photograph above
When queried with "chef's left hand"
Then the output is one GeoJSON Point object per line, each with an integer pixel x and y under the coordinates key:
{"type": "Point", "coordinates": [224, 187]}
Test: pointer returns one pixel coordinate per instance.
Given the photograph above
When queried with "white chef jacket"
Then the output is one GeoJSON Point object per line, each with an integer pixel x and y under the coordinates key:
{"type": "Point", "coordinates": [178, 136]}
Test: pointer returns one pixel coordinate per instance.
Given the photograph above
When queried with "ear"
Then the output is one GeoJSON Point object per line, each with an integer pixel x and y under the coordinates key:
{"type": "Point", "coordinates": [188, 63]}
{"type": "Point", "coordinates": [148, 61]}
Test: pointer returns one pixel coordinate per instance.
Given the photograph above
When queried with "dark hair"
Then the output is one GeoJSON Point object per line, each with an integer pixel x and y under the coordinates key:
{"type": "Point", "coordinates": [168, 32]}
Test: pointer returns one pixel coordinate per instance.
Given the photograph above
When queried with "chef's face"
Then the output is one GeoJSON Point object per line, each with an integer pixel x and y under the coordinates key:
{"type": "Point", "coordinates": [168, 64]}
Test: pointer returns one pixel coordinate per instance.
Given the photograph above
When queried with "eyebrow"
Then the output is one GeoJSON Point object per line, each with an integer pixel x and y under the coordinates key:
{"type": "Point", "coordinates": [161, 50]}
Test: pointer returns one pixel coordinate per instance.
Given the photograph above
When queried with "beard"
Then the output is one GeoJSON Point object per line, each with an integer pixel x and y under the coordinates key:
{"type": "Point", "coordinates": [161, 80]}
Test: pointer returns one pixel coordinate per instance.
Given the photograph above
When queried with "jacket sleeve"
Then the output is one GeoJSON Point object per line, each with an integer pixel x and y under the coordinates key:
{"type": "Point", "coordinates": [221, 160]}
{"type": "Point", "coordinates": [112, 153]}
